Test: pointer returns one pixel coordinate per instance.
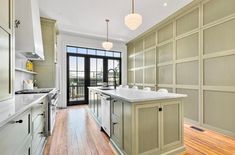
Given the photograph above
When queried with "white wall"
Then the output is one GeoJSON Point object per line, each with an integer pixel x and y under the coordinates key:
{"type": "Point", "coordinates": [20, 62]}
{"type": "Point", "coordinates": [65, 38]}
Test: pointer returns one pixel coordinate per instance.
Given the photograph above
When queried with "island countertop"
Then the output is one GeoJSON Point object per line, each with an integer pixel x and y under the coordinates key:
{"type": "Point", "coordinates": [11, 108]}
{"type": "Point", "coordinates": [132, 95]}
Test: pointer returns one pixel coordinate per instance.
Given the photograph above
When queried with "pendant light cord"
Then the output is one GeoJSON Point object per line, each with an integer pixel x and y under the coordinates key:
{"type": "Point", "coordinates": [107, 30]}
{"type": "Point", "coordinates": [133, 6]}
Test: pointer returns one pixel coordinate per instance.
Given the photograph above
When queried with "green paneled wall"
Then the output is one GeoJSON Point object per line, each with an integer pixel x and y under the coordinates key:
{"type": "Point", "coordinates": [192, 52]}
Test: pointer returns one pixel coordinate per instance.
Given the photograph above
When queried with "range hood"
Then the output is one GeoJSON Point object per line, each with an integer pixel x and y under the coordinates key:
{"type": "Point", "coordinates": [28, 34]}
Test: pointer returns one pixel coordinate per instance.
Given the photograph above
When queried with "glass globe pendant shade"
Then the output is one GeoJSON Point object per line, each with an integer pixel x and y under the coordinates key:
{"type": "Point", "coordinates": [133, 21]}
{"type": "Point", "coordinates": [107, 45]}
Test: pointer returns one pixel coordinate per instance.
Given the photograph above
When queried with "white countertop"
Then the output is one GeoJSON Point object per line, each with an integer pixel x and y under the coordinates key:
{"type": "Point", "coordinates": [11, 108]}
{"type": "Point", "coordinates": [132, 95]}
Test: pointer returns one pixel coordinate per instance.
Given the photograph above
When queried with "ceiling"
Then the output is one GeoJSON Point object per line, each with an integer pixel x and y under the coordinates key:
{"type": "Point", "coordinates": [87, 17]}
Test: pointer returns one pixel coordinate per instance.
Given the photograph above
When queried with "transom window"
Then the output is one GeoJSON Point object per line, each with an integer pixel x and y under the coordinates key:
{"type": "Point", "coordinates": [88, 51]}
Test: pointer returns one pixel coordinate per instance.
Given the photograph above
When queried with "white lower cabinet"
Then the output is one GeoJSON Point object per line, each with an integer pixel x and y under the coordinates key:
{"type": "Point", "coordinates": [38, 127]}
{"type": "Point", "coordinates": [25, 134]}
{"type": "Point", "coordinates": [14, 133]}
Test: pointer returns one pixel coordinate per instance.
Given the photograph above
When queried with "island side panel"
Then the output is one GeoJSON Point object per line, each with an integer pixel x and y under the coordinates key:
{"type": "Point", "coordinates": [127, 128]}
{"type": "Point", "coordinates": [157, 127]}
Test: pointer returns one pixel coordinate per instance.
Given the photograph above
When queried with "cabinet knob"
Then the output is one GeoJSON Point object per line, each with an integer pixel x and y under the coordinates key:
{"type": "Point", "coordinates": [19, 121]}
{"type": "Point", "coordinates": [17, 23]}
{"type": "Point", "coordinates": [41, 114]}
{"type": "Point", "coordinates": [41, 103]}
{"type": "Point", "coordinates": [160, 109]}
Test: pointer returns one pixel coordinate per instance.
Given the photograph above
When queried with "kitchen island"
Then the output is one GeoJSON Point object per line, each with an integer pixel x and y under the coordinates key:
{"type": "Point", "coordinates": [141, 122]}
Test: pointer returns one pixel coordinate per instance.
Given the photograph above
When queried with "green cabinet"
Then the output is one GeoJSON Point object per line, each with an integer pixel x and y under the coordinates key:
{"type": "Point", "coordinates": [142, 128]}
{"type": "Point", "coordinates": [95, 105]}
{"type": "Point", "coordinates": [116, 122]}
{"type": "Point", "coordinates": [6, 49]}
{"type": "Point", "coordinates": [171, 124]}
{"type": "Point", "coordinates": [148, 128]}
{"type": "Point", "coordinates": [152, 128]}
{"type": "Point", "coordinates": [158, 128]}
{"type": "Point", "coordinates": [48, 66]}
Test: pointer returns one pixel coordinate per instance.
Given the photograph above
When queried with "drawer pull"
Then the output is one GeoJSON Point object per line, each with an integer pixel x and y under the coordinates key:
{"type": "Point", "coordinates": [41, 103]}
{"type": "Point", "coordinates": [41, 114]}
{"type": "Point", "coordinates": [19, 121]}
{"type": "Point", "coordinates": [40, 133]}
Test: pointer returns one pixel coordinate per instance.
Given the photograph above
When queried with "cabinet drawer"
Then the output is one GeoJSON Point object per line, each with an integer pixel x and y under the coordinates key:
{"type": "Point", "coordinates": [37, 110]}
{"type": "Point", "coordinates": [15, 133]}
{"type": "Point", "coordinates": [37, 135]}
{"type": "Point", "coordinates": [38, 123]}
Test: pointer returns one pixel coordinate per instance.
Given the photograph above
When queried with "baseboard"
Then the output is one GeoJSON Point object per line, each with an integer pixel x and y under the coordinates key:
{"type": "Point", "coordinates": [115, 148]}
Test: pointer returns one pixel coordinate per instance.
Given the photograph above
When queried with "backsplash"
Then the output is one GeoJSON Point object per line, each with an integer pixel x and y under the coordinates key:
{"type": "Point", "coordinates": [21, 76]}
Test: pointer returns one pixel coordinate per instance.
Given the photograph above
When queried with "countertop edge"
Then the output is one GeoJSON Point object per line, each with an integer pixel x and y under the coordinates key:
{"type": "Point", "coordinates": [4, 122]}
{"type": "Point", "coordinates": [137, 100]}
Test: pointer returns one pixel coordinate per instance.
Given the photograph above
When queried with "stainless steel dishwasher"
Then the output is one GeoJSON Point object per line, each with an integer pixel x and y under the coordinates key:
{"type": "Point", "coordinates": [105, 105]}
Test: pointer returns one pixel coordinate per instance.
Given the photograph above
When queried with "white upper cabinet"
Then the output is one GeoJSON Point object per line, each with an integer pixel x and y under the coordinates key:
{"type": "Point", "coordinates": [28, 32]}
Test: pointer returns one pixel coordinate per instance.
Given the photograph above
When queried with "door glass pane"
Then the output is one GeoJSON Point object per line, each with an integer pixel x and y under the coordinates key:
{"type": "Point", "coordinates": [76, 78]}
{"type": "Point", "coordinates": [96, 71]}
{"type": "Point", "coordinates": [92, 71]}
{"type": "Point", "coordinates": [72, 63]}
{"type": "Point", "coordinates": [99, 71]}
{"type": "Point", "coordinates": [80, 64]}
{"type": "Point", "coordinates": [113, 64]}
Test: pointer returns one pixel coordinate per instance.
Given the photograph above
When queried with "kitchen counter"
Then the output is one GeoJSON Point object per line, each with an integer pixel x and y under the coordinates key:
{"type": "Point", "coordinates": [11, 108]}
{"type": "Point", "coordinates": [132, 95]}
{"type": "Point", "coordinates": [138, 121]}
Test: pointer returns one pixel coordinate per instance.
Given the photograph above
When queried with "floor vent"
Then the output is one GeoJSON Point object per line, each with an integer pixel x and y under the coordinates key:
{"type": "Point", "coordinates": [196, 128]}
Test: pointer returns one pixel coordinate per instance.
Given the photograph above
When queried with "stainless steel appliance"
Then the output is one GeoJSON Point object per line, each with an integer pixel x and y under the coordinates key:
{"type": "Point", "coordinates": [105, 106]}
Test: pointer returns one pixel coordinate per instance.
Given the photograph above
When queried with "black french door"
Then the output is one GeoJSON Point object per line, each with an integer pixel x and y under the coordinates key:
{"type": "Point", "coordinates": [88, 70]}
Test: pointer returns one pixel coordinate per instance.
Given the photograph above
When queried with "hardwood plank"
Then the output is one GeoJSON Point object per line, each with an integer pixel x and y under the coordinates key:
{"type": "Point", "coordinates": [77, 133]}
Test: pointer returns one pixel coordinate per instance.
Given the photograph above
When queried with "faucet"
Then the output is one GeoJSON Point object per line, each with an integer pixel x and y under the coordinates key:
{"type": "Point", "coordinates": [114, 76]}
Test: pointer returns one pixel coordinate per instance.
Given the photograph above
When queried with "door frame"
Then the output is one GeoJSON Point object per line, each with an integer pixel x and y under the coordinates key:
{"type": "Point", "coordinates": [87, 73]}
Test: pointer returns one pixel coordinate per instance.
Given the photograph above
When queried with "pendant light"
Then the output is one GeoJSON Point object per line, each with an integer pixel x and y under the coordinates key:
{"type": "Point", "coordinates": [133, 20]}
{"type": "Point", "coordinates": [107, 45]}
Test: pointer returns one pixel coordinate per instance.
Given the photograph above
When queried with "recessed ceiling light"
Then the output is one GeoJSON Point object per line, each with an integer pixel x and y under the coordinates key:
{"type": "Point", "coordinates": [165, 4]}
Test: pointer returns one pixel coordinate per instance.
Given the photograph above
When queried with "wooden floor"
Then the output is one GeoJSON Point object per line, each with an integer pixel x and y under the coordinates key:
{"type": "Point", "coordinates": [76, 133]}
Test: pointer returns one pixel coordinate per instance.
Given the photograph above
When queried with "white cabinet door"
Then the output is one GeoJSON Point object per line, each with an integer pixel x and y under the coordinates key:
{"type": "Point", "coordinates": [14, 133]}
